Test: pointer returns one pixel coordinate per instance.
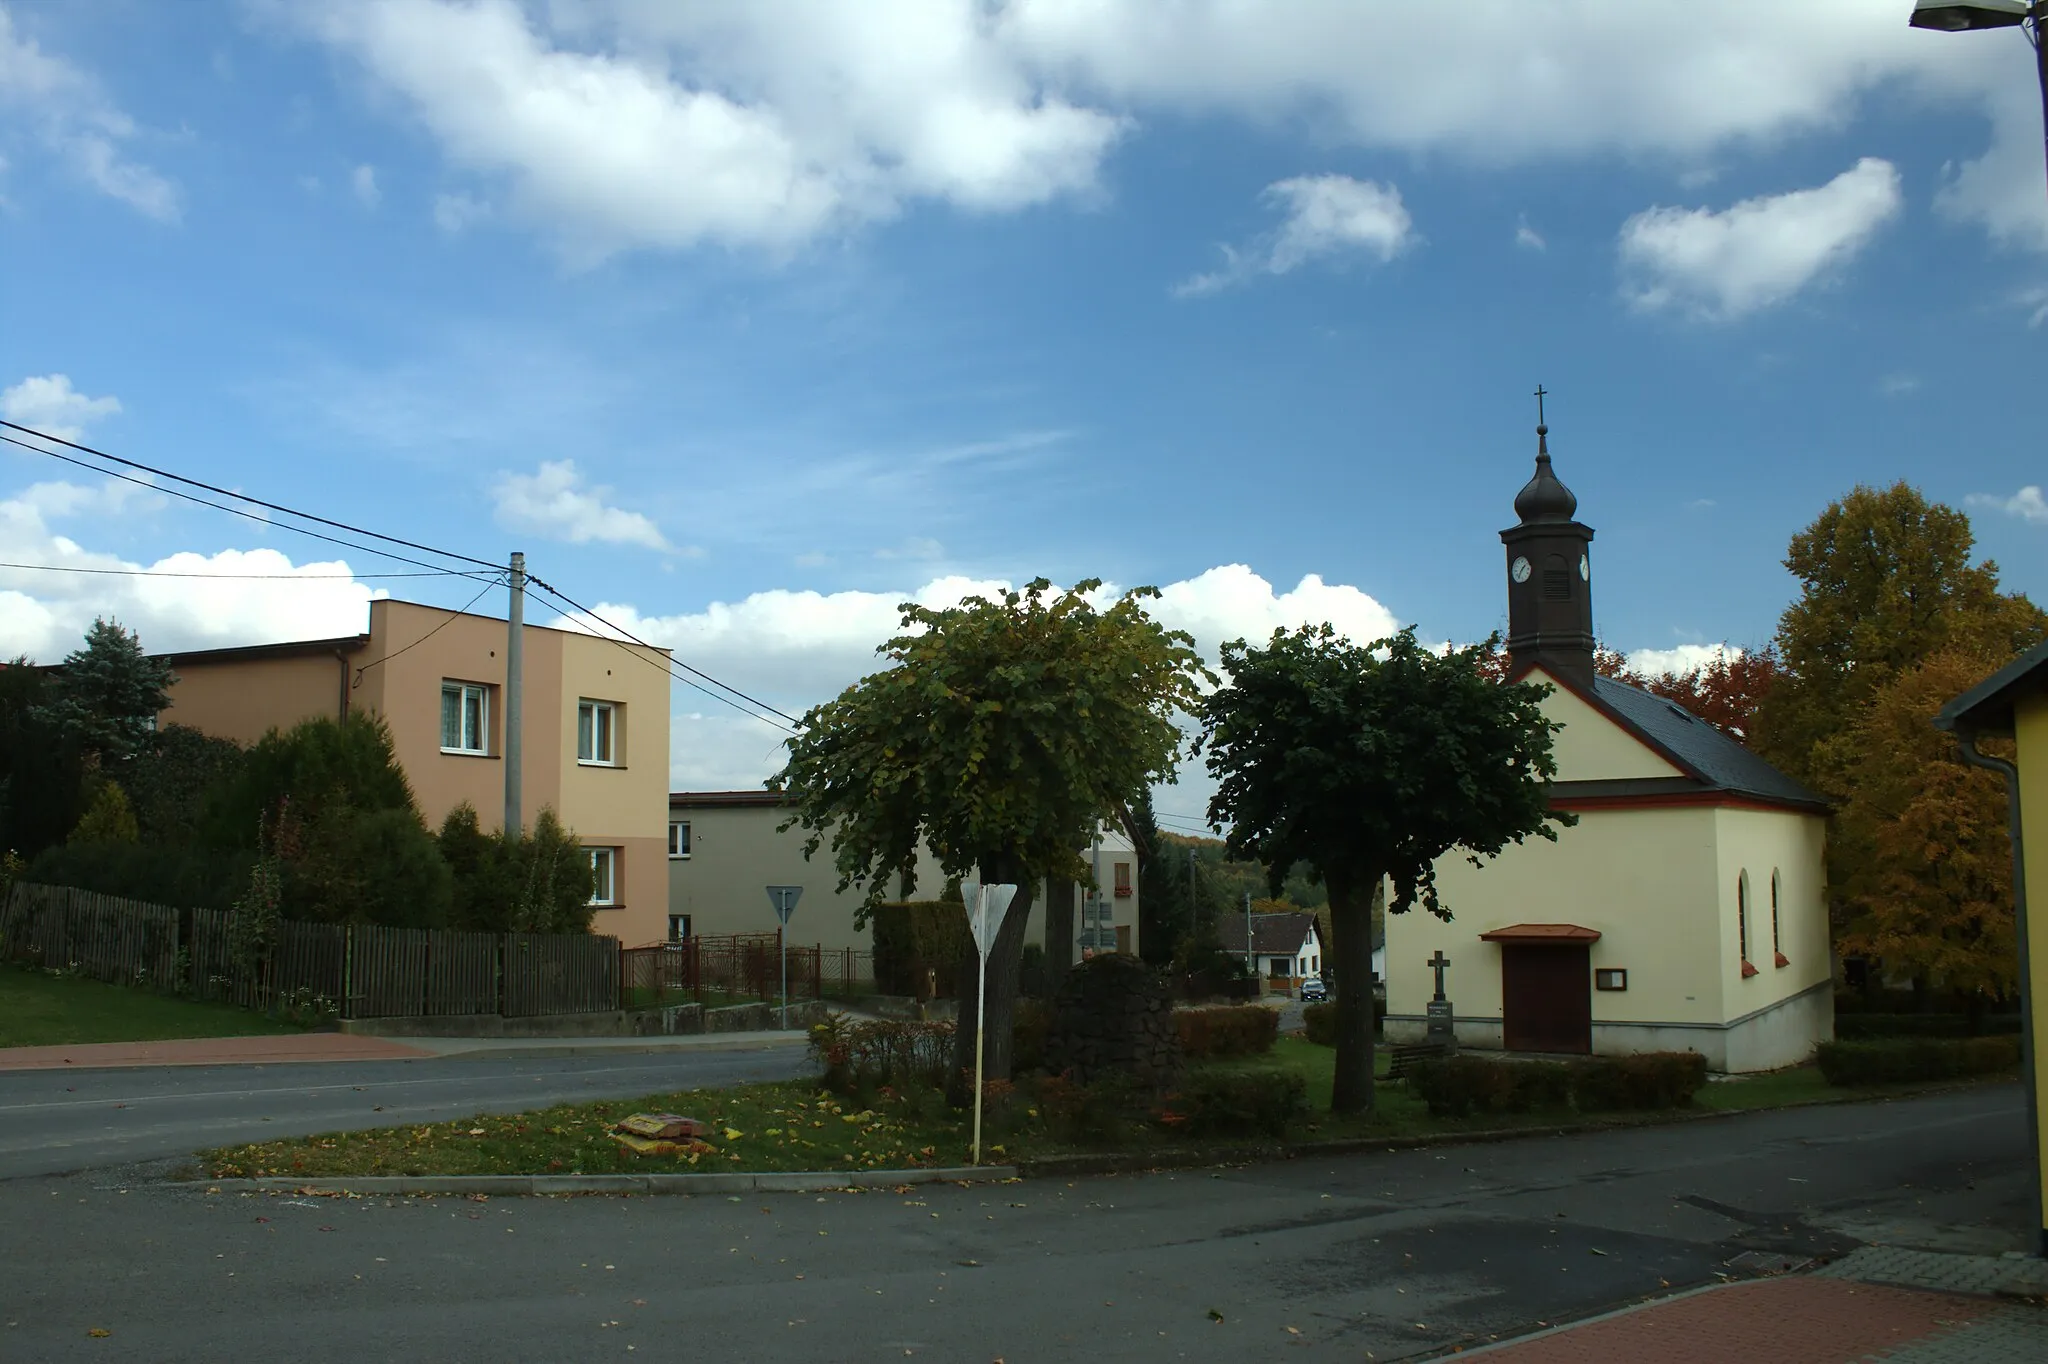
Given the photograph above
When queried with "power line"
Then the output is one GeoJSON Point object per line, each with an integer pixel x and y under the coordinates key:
{"type": "Point", "coordinates": [453, 616]}
{"type": "Point", "coordinates": [791, 722]}
{"type": "Point", "coordinates": [281, 577]}
{"type": "Point", "coordinates": [249, 515]}
{"type": "Point", "coordinates": [243, 497]}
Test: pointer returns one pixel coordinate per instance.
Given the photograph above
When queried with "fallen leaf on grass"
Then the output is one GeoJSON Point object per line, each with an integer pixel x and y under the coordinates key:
{"type": "Point", "coordinates": [1294, 1330]}
{"type": "Point", "coordinates": [1216, 1316]}
{"type": "Point", "coordinates": [99, 1331]}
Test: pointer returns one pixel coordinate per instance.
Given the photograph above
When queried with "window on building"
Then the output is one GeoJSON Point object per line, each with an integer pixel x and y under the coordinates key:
{"type": "Point", "coordinates": [1777, 939]}
{"type": "Point", "coordinates": [465, 717]}
{"type": "Point", "coordinates": [679, 838]}
{"type": "Point", "coordinates": [604, 876]}
{"type": "Point", "coordinates": [1123, 880]}
{"type": "Point", "coordinates": [1742, 922]}
{"type": "Point", "coordinates": [678, 928]}
{"type": "Point", "coordinates": [597, 729]}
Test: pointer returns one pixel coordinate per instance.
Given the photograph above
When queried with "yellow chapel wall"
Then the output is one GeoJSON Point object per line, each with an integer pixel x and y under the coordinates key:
{"type": "Point", "coordinates": [1592, 747]}
{"type": "Point", "coordinates": [1646, 878]}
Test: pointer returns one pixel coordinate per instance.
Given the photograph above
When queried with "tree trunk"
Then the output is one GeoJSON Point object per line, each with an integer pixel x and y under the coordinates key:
{"type": "Point", "coordinates": [1059, 930]}
{"type": "Point", "coordinates": [1351, 922]}
{"type": "Point", "coordinates": [1003, 962]}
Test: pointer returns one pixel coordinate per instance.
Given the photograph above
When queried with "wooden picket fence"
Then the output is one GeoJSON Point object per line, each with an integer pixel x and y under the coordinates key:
{"type": "Point", "coordinates": [353, 970]}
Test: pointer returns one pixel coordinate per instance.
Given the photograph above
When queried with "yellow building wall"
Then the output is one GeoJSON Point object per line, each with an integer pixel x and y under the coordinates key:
{"type": "Point", "coordinates": [1646, 879]}
{"type": "Point", "coordinates": [1760, 842]}
{"type": "Point", "coordinates": [1591, 747]}
{"type": "Point", "coordinates": [2030, 726]}
{"type": "Point", "coordinates": [625, 805]}
{"type": "Point", "coordinates": [244, 699]}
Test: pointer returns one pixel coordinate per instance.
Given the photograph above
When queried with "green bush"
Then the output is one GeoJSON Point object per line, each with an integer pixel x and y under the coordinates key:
{"type": "Point", "coordinates": [368, 867]}
{"type": "Point", "coordinates": [1319, 1023]}
{"type": "Point", "coordinates": [1034, 973]}
{"type": "Point", "coordinates": [861, 1057]}
{"type": "Point", "coordinates": [1106, 1111]}
{"type": "Point", "coordinates": [1237, 1104]}
{"type": "Point", "coordinates": [1459, 1086]}
{"type": "Point", "coordinates": [1030, 1022]}
{"type": "Point", "coordinates": [1894, 1060]}
{"type": "Point", "coordinates": [1650, 1080]}
{"type": "Point", "coordinates": [1240, 1030]}
{"type": "Point", "coordinates": [1857, 1026]}
{"type": "Point", "coordinates": [183, 876]}
{"type": "Point", "coordinates": [918, 945]}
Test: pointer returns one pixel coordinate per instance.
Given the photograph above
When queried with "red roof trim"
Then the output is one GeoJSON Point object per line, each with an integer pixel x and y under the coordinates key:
{"type": "Point", "coordinates": [1558, 933]}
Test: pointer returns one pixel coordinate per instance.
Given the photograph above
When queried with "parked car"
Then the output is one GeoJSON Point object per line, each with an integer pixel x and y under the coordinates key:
{"type": "Point", "coordinates": [1313, 991]}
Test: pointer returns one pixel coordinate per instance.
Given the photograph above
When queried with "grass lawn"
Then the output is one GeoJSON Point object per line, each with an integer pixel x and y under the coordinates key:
{"type": "Point", "coordinates": [795, 1126]}
{"type": "Point", "coordinates": [40, 1010]}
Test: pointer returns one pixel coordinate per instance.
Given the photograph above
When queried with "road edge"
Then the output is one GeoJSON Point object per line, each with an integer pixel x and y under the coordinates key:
{"type": "Point", "coordinates": [720, 1182]}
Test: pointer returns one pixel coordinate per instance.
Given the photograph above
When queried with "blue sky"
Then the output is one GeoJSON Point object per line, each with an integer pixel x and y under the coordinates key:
{"type": "Point", "coordinates": [747, 320]}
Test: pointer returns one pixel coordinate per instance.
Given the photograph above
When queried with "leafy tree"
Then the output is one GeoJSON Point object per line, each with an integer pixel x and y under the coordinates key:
{"type": "Point", "coordinates": [109, 693]}
{"type": "Point", "coordinates": [173, 776]}
{"type": "Point", "coordinates": [357, 866]}
{"type": "Point", "coordinates": [42, 787]}
{"type": "Point", "coordinates": [109, 819]}
{"type": "Point", "coordinates": [1371, 762]}
{"type": "Point", "coordinates": [1885, 583]}
{"type": "Point", "coordinates": [1926, 852]}
{"type": "Point", "coordinates": [316, 764]}
{"type": "Point", "coordinates": [536, 884]}
{"type": "Point", "coordinates": [1000, 728]}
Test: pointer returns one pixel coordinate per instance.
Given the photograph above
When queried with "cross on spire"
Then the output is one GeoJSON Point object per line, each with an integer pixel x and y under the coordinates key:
{"type": "Point", "coordinates": [1540, 392]}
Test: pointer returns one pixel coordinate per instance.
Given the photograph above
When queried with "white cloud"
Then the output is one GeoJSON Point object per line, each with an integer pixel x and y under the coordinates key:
{"type": "Point", "coordinates": [2035, 302]}
{"type": "Point", "coordinates": [1326, 216]}
{"type": "Point", "coordinates": [1899, 385]}
{"type": "Point", "coordinates": [1528, 237]}
{"type": "Point", "coordinates": [1761, 251]}
{"type": "Point", "coordinates": [916, 547]}
{"type": "Point", "coordinates": [644, 123]}
{"type": "Point", "coordinates": [553, 502]}
{"type": "Point", "coordinates": [668, 126]}
{"type": "Point", "coordinates": [49, 403]}
{"type": "Point", "coordinates": [1682, 659]}
{"type": "Point", "coordinates": [45, 614]}
{"type": "Point", "coordinates": [2028, 504]}
{"type": "Point", "coordinates": [363, 180]}
{"type": "Point", "coordinates": [457, 213]}
{"type": "Point", "coordinates": [75, 122]}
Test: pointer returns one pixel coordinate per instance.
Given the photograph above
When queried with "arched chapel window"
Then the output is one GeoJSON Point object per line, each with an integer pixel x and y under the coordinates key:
{"type": "Point", "coordinates": [1742, 921]}
{"type": "Point", "coordinates": [1777, 939]}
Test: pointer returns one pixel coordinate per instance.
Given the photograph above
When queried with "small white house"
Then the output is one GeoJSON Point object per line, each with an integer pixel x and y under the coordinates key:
{"type": "Point", "coordinates": [1279, 950]}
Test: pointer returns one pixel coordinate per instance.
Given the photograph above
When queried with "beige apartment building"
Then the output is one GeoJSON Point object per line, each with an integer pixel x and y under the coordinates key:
{"type": "Point", "coordinates": [594, 731]}
{"type": "Point", "coordinates": [725, 851]}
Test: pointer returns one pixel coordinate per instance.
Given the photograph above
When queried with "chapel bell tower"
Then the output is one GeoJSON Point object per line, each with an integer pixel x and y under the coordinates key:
{"type": "Point", "coordinates": [1550, 574]}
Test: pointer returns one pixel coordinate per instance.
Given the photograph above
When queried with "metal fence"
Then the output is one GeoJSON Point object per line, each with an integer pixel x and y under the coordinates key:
{"type": "Point", "coordinates": [353, 970]}
{"type": "Point", "coordinates": [735, 967]}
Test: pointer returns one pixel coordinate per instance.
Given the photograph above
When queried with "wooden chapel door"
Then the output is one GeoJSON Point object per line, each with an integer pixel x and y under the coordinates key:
{"type": "Point", "coordinates": [1546, 997]}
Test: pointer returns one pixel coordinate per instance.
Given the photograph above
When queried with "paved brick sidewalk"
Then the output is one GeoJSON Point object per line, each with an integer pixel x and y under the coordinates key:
{"type": "Point", "coordinates": [211, 1051]}
{"type": "Point", "coordinates": [1796, 1320]}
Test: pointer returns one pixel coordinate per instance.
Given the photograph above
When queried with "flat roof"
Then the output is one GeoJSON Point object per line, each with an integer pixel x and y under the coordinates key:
{"type": "Point", "coordinates": [352, 643]}
{"type": "Point", "coordinates": [684, 800]}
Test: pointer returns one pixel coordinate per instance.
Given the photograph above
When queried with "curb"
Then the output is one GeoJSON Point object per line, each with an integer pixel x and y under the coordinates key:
{"type": "Point", "coordinates": [653, 1046]}
{"type": "Point", "coordinates": [761, 1181]}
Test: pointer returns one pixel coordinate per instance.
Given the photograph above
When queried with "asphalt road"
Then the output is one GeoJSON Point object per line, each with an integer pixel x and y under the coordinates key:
{"type": "Point", "coordinates": [53, 1121]}
{"type": "Point", "coordinates": [1378, 1256]}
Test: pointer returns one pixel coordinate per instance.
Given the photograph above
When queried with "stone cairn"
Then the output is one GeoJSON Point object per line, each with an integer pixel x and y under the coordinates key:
{"type": "Point", "coordinates": [1114, 1015]}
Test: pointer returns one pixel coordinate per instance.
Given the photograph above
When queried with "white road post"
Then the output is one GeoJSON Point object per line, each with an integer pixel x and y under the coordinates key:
{"type": "Point", "coordinates": [990, 905]}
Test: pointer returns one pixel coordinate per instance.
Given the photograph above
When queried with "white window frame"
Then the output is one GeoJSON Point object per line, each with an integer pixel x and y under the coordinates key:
{"type": "Point", "coordinates": [674, 825]}
{"type": "Point", "coordinates": [463, 691]}
{"type": "Point", "coordinates": [604, 886]}
{"type": "Point", "coordinates": [610, 732]}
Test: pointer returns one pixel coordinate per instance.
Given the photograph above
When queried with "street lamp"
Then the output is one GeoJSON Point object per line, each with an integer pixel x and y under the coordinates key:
{"type": "Point", "coordinates": [1954, 18]}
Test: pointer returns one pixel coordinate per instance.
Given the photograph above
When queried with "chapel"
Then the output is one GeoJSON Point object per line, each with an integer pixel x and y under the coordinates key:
{"type": "Point", "coordinates": [1685, 911]}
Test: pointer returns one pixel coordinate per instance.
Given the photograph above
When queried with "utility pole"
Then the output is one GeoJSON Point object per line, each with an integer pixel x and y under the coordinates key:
{"type": "Point", "coordinates": [515, 697]}
{"type": "Point", "coordinates": [1251, 966]}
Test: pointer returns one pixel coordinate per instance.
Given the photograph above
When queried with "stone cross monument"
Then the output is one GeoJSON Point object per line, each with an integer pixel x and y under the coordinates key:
{"type": "Point", "coordinates": [1439, 1030]}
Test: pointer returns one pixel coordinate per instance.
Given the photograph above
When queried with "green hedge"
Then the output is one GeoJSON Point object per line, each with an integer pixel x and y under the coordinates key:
{"type": "Point", "coordinates": [1896, 1059]}
{"type": "Point", "coordinates": [1458, 1086]}
{"type": "Point", "coordinates": [1319, 1023]}
{"type": "Point", "coordinates": [1030, 1022]}
{"type": "Point", "coordinates": [1857, 1026]}
{"type": "Point", "coordinates": [1651, 1080]}
{"type": "Point", "coordinates": [919, 936]}
{"type": "Point", "coordinates": [1240, 1030]}
{"type": "Point", "coordinates": [1237, 1104]}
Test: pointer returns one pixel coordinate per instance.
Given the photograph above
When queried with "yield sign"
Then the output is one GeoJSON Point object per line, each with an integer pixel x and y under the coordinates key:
{"type": "Point", "coordinates": [784, 899]}
{"type": "Point", "coordinates": [991, 904]}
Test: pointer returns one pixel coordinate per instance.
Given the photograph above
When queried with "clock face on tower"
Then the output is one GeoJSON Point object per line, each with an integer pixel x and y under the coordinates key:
{"type": "Point", "coordinates": [1519, 570]}
{"type": "Point", "coordinates": [1585, 570]}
